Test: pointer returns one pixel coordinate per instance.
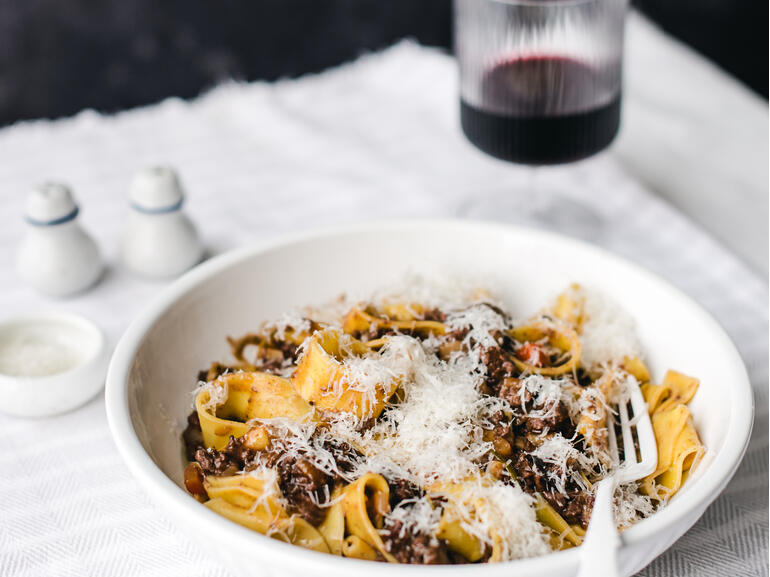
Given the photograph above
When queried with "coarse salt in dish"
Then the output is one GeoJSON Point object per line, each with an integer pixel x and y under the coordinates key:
{"type": "Point", "coordinates": [50, 363]}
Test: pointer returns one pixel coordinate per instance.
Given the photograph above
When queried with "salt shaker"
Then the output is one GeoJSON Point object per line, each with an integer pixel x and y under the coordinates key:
{"type": "Point", "coordinates": [159, 240]}
{"type": "Point", "coordinates": [56, 257]}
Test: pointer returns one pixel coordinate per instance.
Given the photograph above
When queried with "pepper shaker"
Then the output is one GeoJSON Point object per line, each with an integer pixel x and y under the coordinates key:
{"type": "Point", "coordinates": [56, 257]}
{"type": "Point", "coordinates": [159, 240]}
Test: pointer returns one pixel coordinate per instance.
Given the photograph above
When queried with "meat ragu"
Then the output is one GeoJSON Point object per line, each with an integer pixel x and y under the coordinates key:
{"type": "Point", "coordinates": [422, 432]}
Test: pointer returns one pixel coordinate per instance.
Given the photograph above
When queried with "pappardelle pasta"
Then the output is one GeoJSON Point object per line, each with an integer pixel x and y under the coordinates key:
{"type": "Point", "coordinates": [422, 430]}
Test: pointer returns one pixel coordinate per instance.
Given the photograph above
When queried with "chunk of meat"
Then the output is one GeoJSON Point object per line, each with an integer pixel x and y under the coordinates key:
{"type": "Point", "coordinates": [575, 506]}
{"type": "Point", "coordinates": [402, 490]}
{"type": "Point", "coordinates": [555, 418]}
{"type": "Point", "coordinates": [346, 457]}
{"type": "Point", "coordinates": [302, 485]}
{"type": "Point", "coordinates": [512, 391]}
{"type": "Point", "coordinates": [214, 371]}
{"type": "Point", "coordinates": [529, 474]}
{"type": "Point", "coordinates": [234, 457]}
{"type": "Point", "coordinates": [499, 366]}
{"type": "Point", "coordinates": [213, 462]}
{"type": "Point", "coordinates": [410, 547]}
{"type": "Point", "coordinates": [192, 436]}
{"type": "Point", "coordinates": [534, 475]}
{"type": "Point", "coordinates": [457, 334]}
{"type": "Point", "coordinates": [434, 315]}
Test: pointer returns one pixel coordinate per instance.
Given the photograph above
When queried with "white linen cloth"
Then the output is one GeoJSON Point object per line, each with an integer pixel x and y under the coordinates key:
{"type": "Point", "coordinates": [697, 137]}
{"type": "Point", "coordinates": [374, 139]}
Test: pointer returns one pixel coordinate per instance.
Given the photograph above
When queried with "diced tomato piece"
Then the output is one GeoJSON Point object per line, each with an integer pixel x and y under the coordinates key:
{"type": "Point", "coordinates": [532, 354]}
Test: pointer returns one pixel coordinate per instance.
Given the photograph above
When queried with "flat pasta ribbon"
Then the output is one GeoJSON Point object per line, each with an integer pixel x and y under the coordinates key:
{"type": "Point", "coordinates": [561, 337]}
{"type": "Point", "coordinates": [246, 396]}
{"type": "Point", "coordinates": [333, 526]}
{"type": "Point", "coordinates": [296, 531]}
{"type": "Point", "coordinates": [450, 525]}
{"type": "Point", "coordinates": [323, 380]}
{"type": "Point", "coordinates": [251, 501]}
{"type": "Point", "coordinates": [256, 504]}
{"type": "Point", "coordinates": [636, 367]}
{"type": "Point", "coordinates": [592, 423]}
{"type": "Point", "coordinates": [682, 389]}
{"type": "Point", "coordinates": [366, 503]}
{"type": "Point", "coordinates": [338, 372]}
{"type": "Point", "coordinates": [562, 534]}
{"type": "Point", "coordinates": [679, 447]}
{"type": "Point", "coordinates": [266, 343]}
{"type": "Point", "coordinates": [355, 547]}
{"type": "Point", "coordinates": [401, 319]}
{"type": "Point", "coordinates": [459, 539]}
{"type": "Point", "coordinates": [570, 308]}
{"type": "Point", "coordinates": [472, 547]}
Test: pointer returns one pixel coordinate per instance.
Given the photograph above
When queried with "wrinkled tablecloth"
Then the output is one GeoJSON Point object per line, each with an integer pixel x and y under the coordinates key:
{"type": "Point", "coordinates": [376, 138]}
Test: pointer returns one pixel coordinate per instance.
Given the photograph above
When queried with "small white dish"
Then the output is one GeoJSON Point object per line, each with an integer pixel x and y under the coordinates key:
{"type": "Point", "coordinates": [50, 363]}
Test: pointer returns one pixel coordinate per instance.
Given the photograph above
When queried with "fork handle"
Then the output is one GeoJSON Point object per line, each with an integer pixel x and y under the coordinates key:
{"type": "Point", "coordinates": [599, 551]}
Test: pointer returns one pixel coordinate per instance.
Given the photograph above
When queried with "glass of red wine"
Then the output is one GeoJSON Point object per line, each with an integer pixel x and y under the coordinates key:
{"type": "Point", "coordinates": [540, 80]}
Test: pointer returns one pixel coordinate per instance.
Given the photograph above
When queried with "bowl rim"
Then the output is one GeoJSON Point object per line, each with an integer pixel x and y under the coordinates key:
{"type": "Point", "coordinates": [160, 487]}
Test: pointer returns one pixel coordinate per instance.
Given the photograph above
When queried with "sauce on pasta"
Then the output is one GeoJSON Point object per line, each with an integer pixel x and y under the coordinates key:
{"type": "Point", "coordinates": [409, 431]}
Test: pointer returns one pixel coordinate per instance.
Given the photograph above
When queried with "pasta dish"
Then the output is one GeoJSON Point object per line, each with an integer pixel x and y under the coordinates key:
{"type": "Point", "coordinates": [428, 429]}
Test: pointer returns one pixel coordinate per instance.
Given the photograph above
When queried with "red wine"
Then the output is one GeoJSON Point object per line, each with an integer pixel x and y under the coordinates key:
{"type": "Point", "coordinates": [542, 110]}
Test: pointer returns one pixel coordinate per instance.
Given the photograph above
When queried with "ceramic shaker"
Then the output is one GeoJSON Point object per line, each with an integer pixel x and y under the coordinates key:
{"type": "Point", "coordinates": [57, 257]}
{"type": "Point", "coordinates": [158, 239]}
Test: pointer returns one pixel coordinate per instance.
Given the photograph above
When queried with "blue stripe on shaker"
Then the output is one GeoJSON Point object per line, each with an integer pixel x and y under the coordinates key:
{"type": "Point", "coordinates": [160, 210]}
{"type": "Point", "coordinates": [61, 220]}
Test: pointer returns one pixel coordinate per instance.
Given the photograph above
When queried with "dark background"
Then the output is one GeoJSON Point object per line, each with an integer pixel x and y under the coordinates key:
{"type": "Point", "coordinates": [60, 56]}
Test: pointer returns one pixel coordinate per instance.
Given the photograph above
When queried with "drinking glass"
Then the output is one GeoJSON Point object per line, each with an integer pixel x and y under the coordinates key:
{"type": "Point", "coordinates": [540, 80]}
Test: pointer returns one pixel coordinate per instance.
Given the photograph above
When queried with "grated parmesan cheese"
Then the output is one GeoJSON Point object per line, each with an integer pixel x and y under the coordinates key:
{"type": "Point", "coordinates": [217, 390]}
{"type": "Point", "coordinates": [631, 506]}
{"type": "Point", "coordinates": [271, 492]}
{"type": "Point", "coordinates": [293, 320]}
{"type": "Point", "coordinates": [373, 373]}
{"type": "Point", "coordinates": [558, 450]}
{"type": "Point", "coordinates": [416, 516]}
{"type": "Point", "coordinates": [435, 432]}
{"type": "Point", "coordinates": [294, 440]}
{"type": "Point", "coordinates": [608, 333]}
{"type": "Point", "coordinates": [490, 511]}
{"type": "Point", "coordinates": [546, 393]}
{"type": "Point", "coordinates": [433, 291]}
{"type": "Point", "coordinates": [482, 321]}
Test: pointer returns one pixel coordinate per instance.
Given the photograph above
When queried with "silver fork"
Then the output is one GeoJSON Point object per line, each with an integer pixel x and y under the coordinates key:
{"type": "Point", "coordinates": [598, 553]}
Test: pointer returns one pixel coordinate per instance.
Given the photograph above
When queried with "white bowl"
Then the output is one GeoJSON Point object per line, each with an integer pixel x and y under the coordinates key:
{"type": "Point", "coordinates": [154, 368]}
{"type": "Point", "coordinates": [68, 361]}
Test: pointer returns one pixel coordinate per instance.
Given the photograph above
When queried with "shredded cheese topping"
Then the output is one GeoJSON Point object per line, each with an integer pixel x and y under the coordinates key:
{"type": "Point", "coordinates": [434, 430]}
{"type": "Point", "coordinates": [608, 333]}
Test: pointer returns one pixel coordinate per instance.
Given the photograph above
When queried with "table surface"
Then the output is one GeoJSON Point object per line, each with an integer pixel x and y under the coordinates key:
{"type": "Point", "coordinates": [681, 193]}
